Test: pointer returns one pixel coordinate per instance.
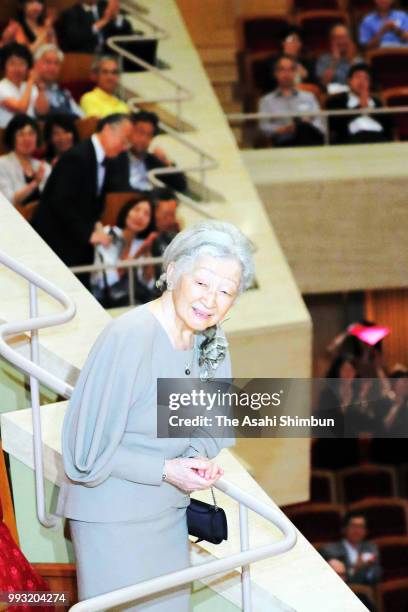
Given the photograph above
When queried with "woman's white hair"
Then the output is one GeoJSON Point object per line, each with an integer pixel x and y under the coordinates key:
{"type": "Point", "coordinates": [215, 238]}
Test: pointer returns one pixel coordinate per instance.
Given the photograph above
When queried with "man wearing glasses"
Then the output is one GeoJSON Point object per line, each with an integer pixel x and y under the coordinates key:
{"type": "Point", "coordinates": [102, 100]}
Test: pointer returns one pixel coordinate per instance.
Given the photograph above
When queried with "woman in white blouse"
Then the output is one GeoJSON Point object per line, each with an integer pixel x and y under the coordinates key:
{"type": "Point", "coordinates": [22, 178]}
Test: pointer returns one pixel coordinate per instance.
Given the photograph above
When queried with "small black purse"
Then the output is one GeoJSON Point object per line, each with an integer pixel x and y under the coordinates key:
{"type": "Point", "coordinates": [206, 521]}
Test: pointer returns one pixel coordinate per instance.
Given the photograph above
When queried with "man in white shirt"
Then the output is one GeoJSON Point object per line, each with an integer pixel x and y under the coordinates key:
{"type": "Point", "coordinates": [19, 90]}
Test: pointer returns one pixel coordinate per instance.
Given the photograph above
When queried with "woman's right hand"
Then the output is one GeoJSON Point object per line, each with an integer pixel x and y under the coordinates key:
{"type": "Point", "coordinates": [184, 473]}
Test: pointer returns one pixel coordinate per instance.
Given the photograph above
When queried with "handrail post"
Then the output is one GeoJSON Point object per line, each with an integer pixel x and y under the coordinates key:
{"type": "Point", "coordinates": [45, 519]}
{"type": "Point", "coordinates": [326, 130]}
{"type": "Point", "coordinates": [245, 571]}
{"type": "Point", "coordinates": [179, 123]}
{"type": "Point", "coordinates": [131, 286]}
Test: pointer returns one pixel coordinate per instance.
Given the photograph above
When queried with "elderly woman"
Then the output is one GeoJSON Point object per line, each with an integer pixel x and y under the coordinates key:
{"type": "Point", "coordinates": [22, 178]}
{"type": "Point", "coordinates": [127, 490]}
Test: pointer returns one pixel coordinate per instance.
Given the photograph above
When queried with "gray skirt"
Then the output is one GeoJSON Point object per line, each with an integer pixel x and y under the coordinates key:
{"type": "Point", "coordinates": [110, 556]}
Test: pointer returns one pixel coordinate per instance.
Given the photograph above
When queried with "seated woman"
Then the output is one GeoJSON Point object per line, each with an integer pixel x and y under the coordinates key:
{"type": "Point", "coordinates": [60, 134]}
{"type": "Point", "coordinates": [19, 92]}
{"type": "Point", "coordinates": [22, 178]}
{"type": "Point", "coordinates": [35, 26]}
{"type": "Point", "coordinates": [131, 237]}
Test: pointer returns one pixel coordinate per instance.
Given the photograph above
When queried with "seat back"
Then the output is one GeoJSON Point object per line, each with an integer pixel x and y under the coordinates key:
{"type": "Point", "coordinates": [398, 96]}
{"type": "Point", "coordinates": [317, 522]}
{"type": "Point", "coordinates": [385, 516]}
{"type": "Point", "coordinates": [394, 556]}
{"type": "Point", "coordinates": [76, 73]}
{"type": "Point", "coordinates": [86, 127]}
{"type": "Point", "coordinates": [393, 595]}
{"type": "Point", "coordinates": [357, 483]}
{"type": "Point", "coordinates": [7, 517]}
{"type": "Point", "coordinates": [389, 67]}
{"type": "Point", "coordinates": [113, 204]}
{"type": "Point", "coordinates": [323, 487]}
{"type": "Point", "coordinates": [261, 32]}
{"type": "Point", "coordinates": [316, 26]}
{"type": "Point", "coordinates": [316, 5]}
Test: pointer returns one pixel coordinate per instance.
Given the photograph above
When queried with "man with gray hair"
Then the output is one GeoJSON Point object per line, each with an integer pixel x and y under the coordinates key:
{"type": "Point", "coordinates": [48, 60]}
{"type": "Point", "coordinates": [102, 100]}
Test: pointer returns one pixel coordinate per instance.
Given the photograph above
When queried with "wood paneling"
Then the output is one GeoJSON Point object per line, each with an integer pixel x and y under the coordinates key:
{"type": "Point", "coordinates": [6, 500]}
{"type": "Point", "coordinates": [61, 578]}
{"type": "Point", "coordinates": [390, 308]}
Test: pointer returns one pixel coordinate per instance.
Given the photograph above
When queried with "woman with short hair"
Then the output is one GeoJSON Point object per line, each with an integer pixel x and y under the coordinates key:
{"type": "Point", "coordinates": [22, 177]}
{"type": "Point", "coordinates": [127, 490]}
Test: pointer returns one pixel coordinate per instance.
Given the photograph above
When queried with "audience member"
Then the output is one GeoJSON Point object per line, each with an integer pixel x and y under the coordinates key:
{"type": "Point", "coordinates": [165, 208]}
{"type": "Point", "coordinates": [386, 26]}
{"type": "Point", "coordinates": [360, 556]}
{"type": "Point", "coordinates": [19, 92]}
{"type": "Point", "coordinates": [60, 135]}
{"type": "Point", "coordinates": [131, 237]}
{"type": "Point", "coordinates": [22, 178]}
{"type": "Point", "coordinates": [340, 569]}
{"type": "Point", "coordinates": [84, 27]}
{"type": "Point", "coordinates": [48, 60]}
{"type": "Point", "coordinates": [102, 100]}
{"type": "Point", "coordinates": [292, 46]}
{"type": "Point", "coordinates": [396, 419]}
{"type": "Point", "coordinates": [352, 129]}
{"type": "Point", "coordinates": [332, 68]}
{"type": "Point", "coordinates": [72, 201]}
{"type": "Point", "coordinates": [9, 33]}
{"type": "Point", "coordinates": [288, 98]}
{"type": "Point", "coordinates": [35, 27]}
{"type": "Point", "coordinates": [131, 168]}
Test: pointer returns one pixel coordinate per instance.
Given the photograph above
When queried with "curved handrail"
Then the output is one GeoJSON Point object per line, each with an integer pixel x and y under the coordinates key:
{"type": "Point", "coordinates": [36, 323]}
{"type": "Point", "coordinates": [180, 577]}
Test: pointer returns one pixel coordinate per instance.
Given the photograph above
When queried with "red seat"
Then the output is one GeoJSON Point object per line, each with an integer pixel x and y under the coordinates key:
{"type": "Point", "coordinates": [394, 556]}
{"type": "Point", "coordinates": [393, 595]}
{"type": "Point", "coordinates": [323, 487]}
{"type": "Point", "coordinates": [385, 516]}
{"type": "Point", "coordinates": [316, 5]}
{"type": "Point", "coordinates": [367, 481]}
{"type": "Point", "coordinates": [261, 32]}
{"type": "Point", "coordinates": [319, 523]}
{"type": "Point", "coordinates": [389, 67]}
{"type": "Point", "coordinates": [316, 26]}
{"type": "Point", "coordinates": [398, 96]}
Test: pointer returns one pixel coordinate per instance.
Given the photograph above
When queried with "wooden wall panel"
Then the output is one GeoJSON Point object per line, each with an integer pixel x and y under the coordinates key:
{"type": "Point", "coordinates": [390, 308]}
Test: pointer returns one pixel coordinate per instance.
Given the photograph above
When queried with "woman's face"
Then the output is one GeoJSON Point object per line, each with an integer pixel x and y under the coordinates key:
{"type": "Point", "coordinates": [25, 141]}
{"type": "Point", "coordinates": [16, 69]}
{"type": "Point", "coordinates": [33, 9]}
{"type": "Point", "coordinates": [61, 139]}
{"type": "Point", "coordinates": [139, 217]}
{"type": "Point", "coordinates": [203, 295]}
{"type": "Point", "coordinates": [347, 370]}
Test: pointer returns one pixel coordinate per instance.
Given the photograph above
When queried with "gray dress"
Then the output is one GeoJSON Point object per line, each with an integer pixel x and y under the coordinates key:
{"type": "Point", "coordinates": [126, 524]}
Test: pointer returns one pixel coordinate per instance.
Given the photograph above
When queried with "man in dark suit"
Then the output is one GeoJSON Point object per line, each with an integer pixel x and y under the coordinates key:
{"type": "Point", "coordinates": [130, 170]}
{"type": "Point", "coordinates": [72, 201]}
{"type": "Point", "coordinates": [358, 129]}
{"type": "Point", "coordinates": [84, 27]}
{"type": "Point", "coordinates": [360, 557]}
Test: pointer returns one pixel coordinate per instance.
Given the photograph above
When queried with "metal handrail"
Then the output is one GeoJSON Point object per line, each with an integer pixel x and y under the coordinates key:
{"type": "Point", "coordinates": [325, 114]}
{"type": "Point", "coordinates": [155, 585]}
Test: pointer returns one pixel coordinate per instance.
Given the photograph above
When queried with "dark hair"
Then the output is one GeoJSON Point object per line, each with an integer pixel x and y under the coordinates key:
{"type": "Point", "coordinates": [22, 21]}
{"type": "Point", "coordinates": [160, 194]}
{"type": "Point", "coordinates": [357, 68]}
{"type": "Point", "coordinates": [280, 58]}
{"type": "Point", "coordinates": [335, 367]}
{"type": "Point", "coordinates": [124, 211]}
{"type": "Point", "coordinates": [15, 50]}
{"type": "Point", "coordinates": [113, 119]}
{"type": "Point", "coordinates": [146, 117]}
{"type": "Point", "coordinates": [64, 121]}
{"type": "Point", "coordinates": [18, 122]}
{"type": "Point", "coordinates": [349, 516]}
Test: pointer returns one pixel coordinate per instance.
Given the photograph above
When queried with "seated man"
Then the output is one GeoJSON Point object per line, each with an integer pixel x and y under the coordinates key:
{"type": "Point", "coordinates": [84, 27]}
{"type": "Point", "coordinates": [283, 132]}
{"type": "Point", "coordinates": [360, 557]}
{"type": "Point", "coordinates": [332, 67]}
{"type": "Point", "coordinates": [48, 60]}
{"type": "Point", "coordinates": [102, 100]}
{"type": "Point", "coordinates": [385, 27]}
{"type": "Point", "coordinates": [131, 168]}
{"type": "Point", "coordinates": [292, 46]}
{"type": "Point", "coordinates": [355, 129]}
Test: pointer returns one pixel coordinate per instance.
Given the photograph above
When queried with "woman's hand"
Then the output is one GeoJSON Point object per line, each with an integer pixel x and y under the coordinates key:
{"type": "Point", "coordinates": [192, 473]}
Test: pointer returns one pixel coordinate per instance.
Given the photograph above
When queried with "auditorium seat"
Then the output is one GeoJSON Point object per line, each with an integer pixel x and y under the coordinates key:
{"type": "Point", "coordinates": [75, 73]}
{"type": "Point", "coordinates": [398, 96]}
{"type": "Point", "coordinates": [366, 592]}
{"type": "Point", "coordinates": [385, 516]}
{"type": "Point", "coordinates": [394, 556]}
{"type": "Point", "coordinates": [255, 77]}
{"type": "Point", "coordinates": [323, 487]}
{"type": "Point", "coordinates": [316, 26]}
{"type": "Point", "coordinates": [393, 595]}
{"type": "Point", "coordinates": [356, 483]}
{"type": "Point", "coordinates": [389, 67]}
{"type": "Point", "coordinates": [28, 210]}
{"type": "Point", "coordinates": [314, 89]}
{"type": "Point", "coordinates": [319, 523]}
{"type": "Point", "coordinates": [86, 127]}
{"type": "Point", "coordinates": [113, 203]}
{"type": "Point", "coordinates": [316, 5]}
{"type": "Point", "coordinates": [261, 32]}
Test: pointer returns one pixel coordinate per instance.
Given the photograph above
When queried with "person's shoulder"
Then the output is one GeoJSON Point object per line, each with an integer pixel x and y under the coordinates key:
{"type": "Point", "coordinates": [138, 324]}
{"type": "Point", "coordinates": [268, 97]}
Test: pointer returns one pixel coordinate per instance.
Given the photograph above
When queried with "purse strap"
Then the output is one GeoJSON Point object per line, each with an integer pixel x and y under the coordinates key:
{"type": "Point", "coordinates": [213, 496]}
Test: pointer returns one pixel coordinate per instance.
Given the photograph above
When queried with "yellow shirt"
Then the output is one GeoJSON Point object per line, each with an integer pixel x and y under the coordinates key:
{"type": "Point", "coordinates": [98, 103]}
